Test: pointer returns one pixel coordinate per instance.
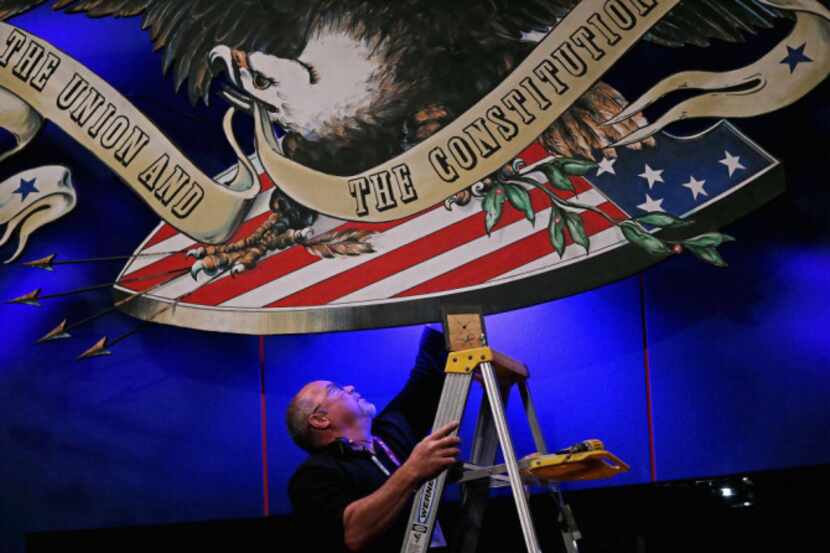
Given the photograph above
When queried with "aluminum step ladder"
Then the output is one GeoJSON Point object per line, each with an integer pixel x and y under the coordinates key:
{"type": "Point", "coordinates": [470, 358]}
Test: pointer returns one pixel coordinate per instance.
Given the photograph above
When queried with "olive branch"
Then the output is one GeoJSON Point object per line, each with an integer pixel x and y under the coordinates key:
{"type": "Point", "coordinates": [564, 214]}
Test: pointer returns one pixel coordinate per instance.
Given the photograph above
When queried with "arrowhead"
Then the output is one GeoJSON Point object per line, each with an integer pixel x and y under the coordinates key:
{"type": "Point", "coordinates": [56, 333]}
{"type": "Point", "coordinates": [42, 263]}
{"type": "Point", "coordinates": [29, 299]}
{"type": "Point", "coordinates": [99, 348]}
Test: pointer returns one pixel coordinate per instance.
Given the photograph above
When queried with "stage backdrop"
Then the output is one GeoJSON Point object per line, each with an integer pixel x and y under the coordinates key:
{"type": "Point", "coordinates": [684, 370]}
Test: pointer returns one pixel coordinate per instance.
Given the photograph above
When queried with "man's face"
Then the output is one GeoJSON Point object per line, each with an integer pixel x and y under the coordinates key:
{"type": "Point", "coordinates": [344, 407]}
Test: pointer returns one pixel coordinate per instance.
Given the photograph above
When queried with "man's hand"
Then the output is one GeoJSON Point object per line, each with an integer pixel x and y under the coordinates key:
{"type": "Point", "coordinates": [367, 518]}
{"type": "Point", "coordinates": [433, 454]}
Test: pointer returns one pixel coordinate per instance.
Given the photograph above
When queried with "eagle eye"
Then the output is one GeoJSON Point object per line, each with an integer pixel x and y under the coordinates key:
{"type": "Point", "coordinates": [261, 82]}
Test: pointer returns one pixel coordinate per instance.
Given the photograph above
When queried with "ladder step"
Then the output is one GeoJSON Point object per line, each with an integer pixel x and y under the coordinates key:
{"type": "Point", "coordinates": [586, 465]}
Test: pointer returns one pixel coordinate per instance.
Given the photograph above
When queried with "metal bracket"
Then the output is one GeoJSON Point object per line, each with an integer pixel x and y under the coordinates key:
{"type": "Point", "coordinates": [467, 360]}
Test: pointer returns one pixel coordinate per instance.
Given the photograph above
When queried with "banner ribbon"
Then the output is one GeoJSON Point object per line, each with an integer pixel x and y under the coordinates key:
{"type": "Point", "coordinates": [770, 83]}
{"type": "Point", "coordinates": [37, 79]}
{"type": "Point", "coordinates": [32, 199]}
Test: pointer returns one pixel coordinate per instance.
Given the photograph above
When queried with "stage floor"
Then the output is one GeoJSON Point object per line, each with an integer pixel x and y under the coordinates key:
{"type": "Point", "coordinates": [742, 512]}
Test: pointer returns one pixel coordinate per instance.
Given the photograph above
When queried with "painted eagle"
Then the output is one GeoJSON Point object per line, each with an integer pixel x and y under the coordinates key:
{"type": "Point", "coordinates": [353, 83]}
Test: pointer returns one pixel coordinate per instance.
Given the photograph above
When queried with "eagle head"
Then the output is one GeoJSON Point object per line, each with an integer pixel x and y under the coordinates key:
{"type": "Point", "coordinates": [336, 80]}
{"type": "Point", "coordinates": [258, 77]}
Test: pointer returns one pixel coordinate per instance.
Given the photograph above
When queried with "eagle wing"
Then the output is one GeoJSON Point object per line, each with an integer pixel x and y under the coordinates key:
{"type": "Point", "coordinates": [188, 29]}
{"type": "Point", "coordinates": [580, 130]}
{"type": "Point", "coordinates": [691, 22]}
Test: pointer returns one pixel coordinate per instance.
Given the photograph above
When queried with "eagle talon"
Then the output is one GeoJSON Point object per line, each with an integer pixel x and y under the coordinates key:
{"type": "Point", "coordinates": [237, 269]}
{"type": "Point", "coordinates": [204, 266]}
{"type": "Point", "coordinates": [196, 269]}
{"type": "Point", "coordinates": [198, 253]}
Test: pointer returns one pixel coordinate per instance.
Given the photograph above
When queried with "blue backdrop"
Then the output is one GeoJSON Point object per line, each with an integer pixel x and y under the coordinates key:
{"type": "Point", "coordinates": [170, 427]}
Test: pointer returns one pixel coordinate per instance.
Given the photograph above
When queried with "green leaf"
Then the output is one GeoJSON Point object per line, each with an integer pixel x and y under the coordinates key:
{"type": "Point", "coordinates": [644, 240]}
{"type": "Point", "coordinates": [708, 254]}
{"type": "Point", "coordinates": [710, 239]}
{"type": "Point", "coordinates": [577, 230]}
{"type": "Point", "coordinates": [557, 178]}
{"type": "Point", "coordinates": [555, 227]}
{"type": "Point", "coordinates": [520, 199]}
{"type": "Point", "coordinates": [492, 206]}
{"type": "Point", "coordinates": [661, 219]}
{"type": "Point", "coordinates": [577, 167]}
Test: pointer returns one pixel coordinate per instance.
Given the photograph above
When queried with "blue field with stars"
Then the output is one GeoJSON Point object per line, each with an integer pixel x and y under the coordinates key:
{"type": "Point", "coordinates": [681, 174]}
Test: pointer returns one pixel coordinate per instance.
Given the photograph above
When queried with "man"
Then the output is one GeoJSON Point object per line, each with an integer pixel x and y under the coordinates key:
{"type": "Point", "coordinates": [355, 490]}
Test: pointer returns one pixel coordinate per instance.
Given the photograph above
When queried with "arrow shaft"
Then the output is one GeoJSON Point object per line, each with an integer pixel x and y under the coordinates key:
{"type": "Point", "coordinates": [109, 284]}
{"type": "Point", "coordinates": [146, 321]}
{"type": "Point", "coordinates": [112, 258]}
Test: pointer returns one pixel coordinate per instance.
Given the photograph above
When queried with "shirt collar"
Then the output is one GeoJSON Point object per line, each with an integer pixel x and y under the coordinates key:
{"type": "Point", "coordinates": [342, 448]}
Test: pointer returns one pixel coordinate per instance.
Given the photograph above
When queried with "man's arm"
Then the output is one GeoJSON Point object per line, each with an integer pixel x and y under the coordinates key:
{"type": "Point", "coordinates": [418, 400]}
{"type": "Point", "coordinates": [369, 517]}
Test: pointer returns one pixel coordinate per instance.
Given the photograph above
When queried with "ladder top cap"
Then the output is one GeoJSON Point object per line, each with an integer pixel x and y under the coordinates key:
{"type": "Point", "coordinates": [466, 361]}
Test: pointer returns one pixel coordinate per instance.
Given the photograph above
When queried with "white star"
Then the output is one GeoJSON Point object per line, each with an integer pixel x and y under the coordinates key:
{"type": "Point", "coordinates": [606, 166]}
{"type": "Point", "coordinates": [733, 163]}
{"type": "Point", "coordinates": [651, 205]}
{"type": "Point", "coordinates": [696, 186]}
{"type": "Point", "coordinates": [652, 176]}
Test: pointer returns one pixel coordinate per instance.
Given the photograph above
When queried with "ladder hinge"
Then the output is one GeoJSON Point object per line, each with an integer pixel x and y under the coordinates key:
{"type": "Point", "coordinates": [466, 360]}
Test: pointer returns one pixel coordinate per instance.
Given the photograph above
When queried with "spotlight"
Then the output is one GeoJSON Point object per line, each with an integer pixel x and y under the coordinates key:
{"type": "Point", "coordinates": [727, 492]}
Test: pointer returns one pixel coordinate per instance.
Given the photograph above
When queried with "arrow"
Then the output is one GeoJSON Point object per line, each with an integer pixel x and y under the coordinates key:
{"type": "Point", "coordinates": [48, 263]}
{"type": "Point", "coordinates": [28, 299]}
{"type": "Point", "coordinates": [56, 333]}
{"type": "Point", "coordinates": [34, 297]}
{"type": "Point", "coordinates": [98, 349]}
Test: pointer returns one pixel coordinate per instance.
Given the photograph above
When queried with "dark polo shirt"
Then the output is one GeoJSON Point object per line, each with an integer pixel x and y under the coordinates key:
{"type": "Point", "coordinates": [337, 475]}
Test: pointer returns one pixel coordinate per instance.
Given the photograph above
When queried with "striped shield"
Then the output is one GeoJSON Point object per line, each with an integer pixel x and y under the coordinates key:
{"type": "Point", "coordinates": [445, 256]}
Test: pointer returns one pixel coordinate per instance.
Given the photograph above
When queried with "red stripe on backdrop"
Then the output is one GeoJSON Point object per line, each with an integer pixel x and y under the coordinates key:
{"type": "Point", "coordinates": [510, 257]}
{"type": "Point", "coordinates": [533, 153]}
{"type": "Point", "coordinates": [272, 268]}
{"type": "Point", "coordinates": [266, 502]}
{"type": "Point", "coordinates": [418, 251]}
{"type": "Point", "coordinates": [168, 231]}
{"type": "Point", "coordinates": [161, 235]}
{"type": "Point", "coordinates": [647, 366]}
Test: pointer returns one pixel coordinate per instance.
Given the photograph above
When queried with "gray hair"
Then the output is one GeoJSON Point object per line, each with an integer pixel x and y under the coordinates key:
{"type": "Point", "coordinates": [296, 418]}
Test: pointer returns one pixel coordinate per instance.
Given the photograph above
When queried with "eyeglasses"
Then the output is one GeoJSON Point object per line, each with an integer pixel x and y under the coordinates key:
{"type": "Point", "coordinates": [331, 389]}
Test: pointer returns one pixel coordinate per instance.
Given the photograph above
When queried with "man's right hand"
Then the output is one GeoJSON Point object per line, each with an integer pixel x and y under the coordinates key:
{"type": "Point", "coordinates": [434, 453]}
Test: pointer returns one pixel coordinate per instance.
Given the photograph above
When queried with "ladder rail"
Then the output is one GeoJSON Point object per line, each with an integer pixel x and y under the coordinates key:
{"type": "Point", "coordinates": [532, 419]}
{"type": "Point", "coordinates": [565, 519]}
{"type": "Point", "coordinates": [424, 509]}
{"type": "Point", "coordinates": [494, 396]}
{"type": "Point", "coordinates": [474, 495]}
